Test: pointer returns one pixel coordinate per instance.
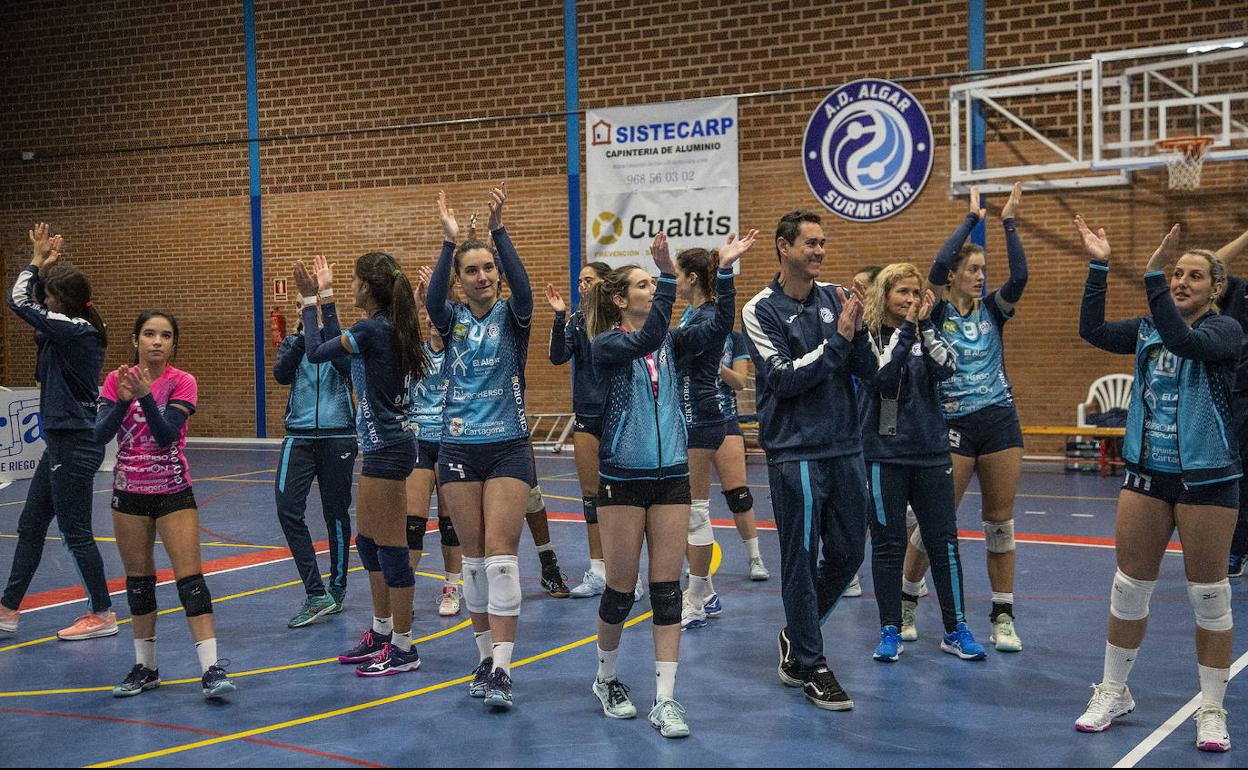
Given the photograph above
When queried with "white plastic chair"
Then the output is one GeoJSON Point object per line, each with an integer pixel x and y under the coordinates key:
{"type": "Point", "coordinates": [1113, 391]}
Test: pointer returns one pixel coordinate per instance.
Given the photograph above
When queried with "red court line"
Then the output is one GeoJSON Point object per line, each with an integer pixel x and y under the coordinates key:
{"type": "Point", "coordinates": [195, 730]}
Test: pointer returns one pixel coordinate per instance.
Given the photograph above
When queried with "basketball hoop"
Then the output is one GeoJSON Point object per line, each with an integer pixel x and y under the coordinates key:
{"type": "Point", "coordinates": [1188, 156]}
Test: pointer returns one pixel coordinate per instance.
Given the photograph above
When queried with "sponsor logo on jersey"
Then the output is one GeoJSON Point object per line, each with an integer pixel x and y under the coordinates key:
{"type": "Point", "coordinates": [459, 332]}
{"type": "Point", "coordinates": [457, 426]}
{"type": "Point", "coordinates": [825, 314]}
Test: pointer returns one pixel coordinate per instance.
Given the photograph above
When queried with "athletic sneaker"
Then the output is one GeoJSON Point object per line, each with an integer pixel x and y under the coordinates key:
{"type": "Point", "coordinates": [481, 679]}
{"type": "Point", "coordinates": [962, 643]}
{"type": "Point", "coordinates": [9, 619]}
{"type": "Point", "coordinates": [314, 607]}
{"type": "Point", "coordinates": [668, 717]}
{"type": "Point", "coordinates": [1211, 734]}
{"type": "Point", "coordinates": [553, 582]}
{"type": "Point", "coordinates": [758, 570]}
{"type": "Point", "coordinates": [1003, 635]}
{"type": "Point", "coordinates": [909, 616]}
{"type": "Point", "coordinates": [713, 606]}
{"type": "Point", "coordinates": [370, 644]}
{"type": "Point", "coordinates": [824, 691]}
{"type": "Point", "coordinates": [854, 590]}
{"type": "Point", "coordinates": [691, 617]}
{"type": "Point", "coordinates": [498, 691]}
{"type": "Point", "coordinates": [216, 681]}
{"type": "Point", "coordinates": [448, 605]}
{"type": "Point", "coordinates": [788, 670]}
{"type": "Point", "coordinates": [90, 626]}
{"type": "Point", "coordinates": [890, 647]}
{"type": "Point", "coordinates": [592, 584]}
{"type": "Point", "coordinates": [1105, 706]}
{"type": "Point", "coordinates": [1235, 568]}
{"type": "Point", "coordinates": [139, 680]}
{"type": "Point", "coordinates": [339, 596]}
{"type": "Point", "coordinates": [614, 697]}
{"type": "Point", "coordinates": [390, 661]}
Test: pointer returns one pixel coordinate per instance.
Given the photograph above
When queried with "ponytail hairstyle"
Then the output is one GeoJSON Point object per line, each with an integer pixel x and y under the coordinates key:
{"type": "Point", "coordinates": [1217, 273]}
{"type": "Point", "coordinates": [392, 292]}
{"type": "Point", "coordinates": [72, 289]}
{"type": "Point", "coordinates": [702, 264]}
{"type": "Point", "coordinates": [873, 310]}
{"type": "Point", "coordinates": [142, 320]}
{"type": "Point", "coordinates": [601, 312]}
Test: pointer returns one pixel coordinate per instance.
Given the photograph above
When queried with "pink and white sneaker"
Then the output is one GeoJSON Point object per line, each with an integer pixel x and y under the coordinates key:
{"type": "Point", "coordinates": [9, 619]}
{"type": "Point", "coordinates": [90, 626]}
{"type": "Point", "coordinates": [448, 606]}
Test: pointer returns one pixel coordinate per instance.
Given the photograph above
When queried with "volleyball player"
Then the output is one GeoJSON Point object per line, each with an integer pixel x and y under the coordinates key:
{"type": "Point", "coordinates": [55, 299]}
{"type": "Point", "coordinates": [1182, 467]}
{"type": "Point", "coordinates": [146, 406]}
{"type": "Point", "coordinates": [1234, 303]}
{"type": "Point", "coordinates": [385, 350]}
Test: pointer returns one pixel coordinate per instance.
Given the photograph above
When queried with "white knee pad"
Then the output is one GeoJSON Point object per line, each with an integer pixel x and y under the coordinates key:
{"type": "Point", "coordinates": [1212, 603]}
{"type": "Point", "coordinates": [999, 536]}
{"type": "Point", "coordinates": [504, 576]}
{"type": "Point", "coordinates": [911, 519]}
{"type": "Point", "coordinates": [1130, 597]}
{"type": "Point", "coordinates": [535, 500]}
{"type": "Point", "coordinates": [916, 540]}
{"type": "Point", "coordinates": [700, 530]}
{"type": "Point", "coordinates": [476, 585]}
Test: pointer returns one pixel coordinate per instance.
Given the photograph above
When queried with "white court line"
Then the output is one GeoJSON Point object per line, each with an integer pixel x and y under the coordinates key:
{"type": "Point", "coordinates": [1083, 515]}
{"type": "Point", "coordinates": [1037, 513]}
{"type": "Point", "coordinates": [1170, 725]}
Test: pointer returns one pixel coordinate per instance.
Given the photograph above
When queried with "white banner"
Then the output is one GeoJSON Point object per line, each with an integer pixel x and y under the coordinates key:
{"type": "Point", "coordinates": [21, 436]}
{"type": "Point", "coordinates": [669, 168]}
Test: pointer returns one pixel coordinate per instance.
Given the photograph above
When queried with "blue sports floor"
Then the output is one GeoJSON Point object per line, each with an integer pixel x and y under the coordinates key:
{"type": "Point", "coordinates": [297, 707]}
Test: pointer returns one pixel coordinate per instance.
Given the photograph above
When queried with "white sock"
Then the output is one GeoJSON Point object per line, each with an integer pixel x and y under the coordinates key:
{"type": "Point", "coordinates": [145, 652]}
{"type": "Point", "coordinates": [383, 626]}
{"type": "Point", "coordinates": [453, 578]}
{"type": "Point", "coordinates": [666, 674]}
{"type": "Point", "coordinates": [752, 546]}
{"type": "Point", "coordinates": [598, 567]}
{"type": "Point", "coordinates": [545, 548]}
{"type": "Point", "coordinates": [1118, 664]}
{"type": "Point", "coordinates": [606, 664]}
{"type": "Point", "coordinates": [207, 652]}
{"type": "Point", "coordinates": [1213, 686]}
{"type": "Point", "coordinates": [402, 640]}
{"type": "Point", "coordinates": [911, 588]}
{"type": "Point", "coordinates": [484, 646]}
{"type": "Point", "coordinates": [1002, 598]}
{"type": "Point", "coordinates": [699, 589]}
{"type": "Point", "coordinates": [502, 656]}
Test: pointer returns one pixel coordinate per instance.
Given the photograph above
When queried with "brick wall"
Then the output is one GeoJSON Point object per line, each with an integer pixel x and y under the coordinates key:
{"type": "Point", "coordinates": [137, 114]}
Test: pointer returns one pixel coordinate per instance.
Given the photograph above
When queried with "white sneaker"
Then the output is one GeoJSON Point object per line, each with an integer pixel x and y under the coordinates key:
{"type": "Point", "coordinates": [691, 616]}
{"type": "Point", "coordinates": [448, 606]}
{"type": "Point", "coordinates": [1003, 634]}
{"type": "Point", "coordinates": [758, 570]}
{"type": "Point", "coordinates": [668, 717]}
{"type": "Point", "coordinates": [1105, 706]}
{"type": "Point", "coordinates": [592, 584]}
{"type": "Point", "coordinates": [614, 698]}
{"type": "Point", "coordinates": [1211, 734]}
{"type": "Point", "coordinates": [909, 627]}
{"type": "Point", "coordinates": [854, 590]}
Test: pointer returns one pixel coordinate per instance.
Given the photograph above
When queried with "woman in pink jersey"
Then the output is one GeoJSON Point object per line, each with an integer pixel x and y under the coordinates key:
{"type": "Point", "coordinates": [146, 406]}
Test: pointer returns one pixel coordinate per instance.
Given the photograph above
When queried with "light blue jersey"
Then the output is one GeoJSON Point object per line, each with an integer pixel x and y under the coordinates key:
{"type": "Point", "coordinates": [427, 399]}
{"type": "Point", "coordinates": [1161, 416]}
{"type": "Point", "coordinates": [980, 380]}
{"type": "Point", "coordinates": [484, 366]}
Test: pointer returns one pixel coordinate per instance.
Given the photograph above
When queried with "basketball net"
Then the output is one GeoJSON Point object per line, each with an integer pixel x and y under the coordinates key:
{"type": "Point", "coordinates": [1186, 160]}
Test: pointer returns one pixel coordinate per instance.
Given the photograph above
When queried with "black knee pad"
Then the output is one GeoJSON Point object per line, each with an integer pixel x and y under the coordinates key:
{"type": "Point", "coordinates": [447, 530]}
{"type": "Point", "coordinates": [395, 567]}
{"type": "Point", "coordinates": [590, 504]}
{"type": "Point", "coordinates": [665, 601]}
{"type": "Point", "coordinates": [196, 599]}
{"type": "Point", "coordinates": [615, 606]}
{"type": "Point", "coordinates": [416, 526]}
{"type": "Point", "coordinates": [739, 500]}
{"type": "Point", "coordinates": [141, 594]}
{"type": "Point", "coordinates": [367, 548]}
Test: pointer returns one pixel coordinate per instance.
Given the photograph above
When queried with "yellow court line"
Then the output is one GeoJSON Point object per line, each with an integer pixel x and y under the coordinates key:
{"type": "Point", "coordinates": [717, 557]}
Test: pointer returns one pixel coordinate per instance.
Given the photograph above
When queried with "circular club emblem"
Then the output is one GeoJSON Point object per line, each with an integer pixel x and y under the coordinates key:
{"type": "Point", "coordinates": [868, 150]}
{"type": "Point", "coordinates": [826, 315]}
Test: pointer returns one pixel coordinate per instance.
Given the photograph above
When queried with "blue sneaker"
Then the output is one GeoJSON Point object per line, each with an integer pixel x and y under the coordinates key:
{"type": "Point", "coordinates": [1238, 563]}
{"type": "Point", "coordinates": [890, 648]}
{"type": "Point", "coordinates": [498, 694]}
{"type": "Point", "coordinates": [370, 644]}
{"type": "Point", "coordinates": [480, 683]}
{"type": "Point", "coordinates": [390, 661]}
{"type": "Point", "coordinates": [713, 607]}
{"type": "Point", "coordinates": [216, 682]}
{"type": "Point", "coordinates": [139, 680]}
{"type": "Point", "coordinates": [961, 643]}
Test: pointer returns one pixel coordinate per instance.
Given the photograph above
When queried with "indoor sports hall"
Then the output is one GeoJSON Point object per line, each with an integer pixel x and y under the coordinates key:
{"type": "Point", "coordinates": [216, 459]}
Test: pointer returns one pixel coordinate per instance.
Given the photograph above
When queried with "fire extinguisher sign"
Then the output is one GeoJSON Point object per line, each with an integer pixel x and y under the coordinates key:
{"type": "Point", "coordinates": [279, 290]}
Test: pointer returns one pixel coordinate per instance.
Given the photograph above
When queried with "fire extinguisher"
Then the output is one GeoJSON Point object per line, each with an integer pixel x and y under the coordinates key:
{"type": "Point", "coordinates": [278, 323]}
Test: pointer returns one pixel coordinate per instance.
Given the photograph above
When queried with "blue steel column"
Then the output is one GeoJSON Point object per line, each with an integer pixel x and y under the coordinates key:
{"type": "Point", "coordinates": [257, 248]}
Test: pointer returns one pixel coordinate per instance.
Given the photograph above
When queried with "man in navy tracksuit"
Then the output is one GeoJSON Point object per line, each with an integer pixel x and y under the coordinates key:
{"type": "Point", "coordinates": [320, 444]}
{"type": "Point", "coordinates": [807, 340]}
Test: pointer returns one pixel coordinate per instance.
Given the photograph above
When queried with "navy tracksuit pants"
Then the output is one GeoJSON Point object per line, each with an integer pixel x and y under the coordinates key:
{"type": "Point", "coordinates": [331, 462]}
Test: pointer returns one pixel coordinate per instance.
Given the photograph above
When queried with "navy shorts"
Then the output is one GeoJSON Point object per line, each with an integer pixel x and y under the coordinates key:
{"type": "Point", "coordinates": [990, 430]}
{"type": "Point", "coordinates": [393, 462]}
{"type": "Point", "coordinates": [482, 462]}
{"type": "Point", "coordinates": [153, 506]}
{"type": "Point", "coordinates": [590, 425]}
{"type": "Point", "coordinates": [427, 455]}
{"type": "Point", "coordinates": [643, 493]}
{"type": "Point", "coordinates": [707, 436]}
{"type": "Point", "coordinates": [1169, 488]}
{"type": "Point", "coordinates": [732, 428]}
